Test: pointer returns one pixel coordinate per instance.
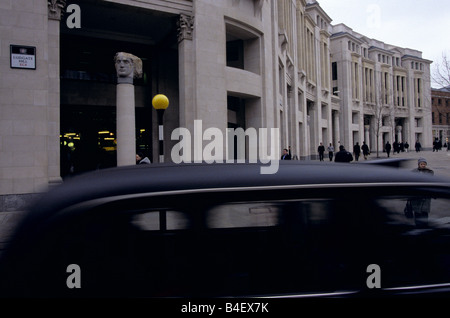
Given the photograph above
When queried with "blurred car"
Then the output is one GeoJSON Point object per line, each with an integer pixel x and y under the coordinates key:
{"type": "Point", "coordinates": [225, 230]}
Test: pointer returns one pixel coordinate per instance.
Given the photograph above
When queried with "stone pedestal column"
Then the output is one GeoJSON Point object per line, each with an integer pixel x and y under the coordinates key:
{"type": "Point", "coordinates": [128, 67]}
{"type": "Point", "coordinates": [126, 127]}
{"type": "Point", "coordinates": [367, 134]}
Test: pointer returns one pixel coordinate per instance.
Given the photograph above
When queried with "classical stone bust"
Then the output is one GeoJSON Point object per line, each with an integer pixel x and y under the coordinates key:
{"type": "Point", "coordinates": [128, 66]}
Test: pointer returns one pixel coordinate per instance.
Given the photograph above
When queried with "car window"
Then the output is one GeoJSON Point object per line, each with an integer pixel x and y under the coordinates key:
{"type": "Point", "coordinates": [160, 220]}
{"type": "Point", "coordinates": [418, 211]}
{"type": "Point", "coordinates": [243, 215]}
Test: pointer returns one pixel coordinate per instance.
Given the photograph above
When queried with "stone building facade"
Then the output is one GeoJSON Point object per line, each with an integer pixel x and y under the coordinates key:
{"type": "Point", "coordinates": [383, 91]}
{"type": "Point", "coordinates": [440, 103]}
{"type": "Point", "coordinates": [229, 64]}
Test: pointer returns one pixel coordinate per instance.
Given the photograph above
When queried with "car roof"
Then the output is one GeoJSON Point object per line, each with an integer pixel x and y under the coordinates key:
{"type": "Point", "coordinates": [175, 177]}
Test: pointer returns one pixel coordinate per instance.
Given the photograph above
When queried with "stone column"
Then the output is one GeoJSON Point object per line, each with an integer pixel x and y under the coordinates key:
{"type": "Point", "coordinates": [186, 63]}
{"type": "Point", "coordinates": [398, 130]}
{"type": "Point", "coordinates": [336, 128]}
{"type": "Point", "coordinates": [367, 135]}
{"type": "Point", "coordinates": [55, 13]}
{"type": "Point", "coordinates": [128, 67]}
{"type": "Point", "coordinates": [186, 73]}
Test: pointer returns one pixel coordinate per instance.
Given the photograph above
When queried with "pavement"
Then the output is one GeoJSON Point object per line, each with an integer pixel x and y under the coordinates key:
{"type": "Point", "coordinates": [438, 161]}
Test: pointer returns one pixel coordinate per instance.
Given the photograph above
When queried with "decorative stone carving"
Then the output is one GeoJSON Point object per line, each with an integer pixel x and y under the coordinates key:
{"type": "Point", "coordinates": [282, 40]}
{"type": "Point", "coordinates": [258, 5]}
{"type": "Point", "coordinates": [185, 27]}
{"type": "Point", "coordinates": [128, 67]}
{"type": "Point", "coordinates": [56, 9]}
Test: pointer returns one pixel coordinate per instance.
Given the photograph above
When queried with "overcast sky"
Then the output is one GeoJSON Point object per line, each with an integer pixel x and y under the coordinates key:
{"type": "Point", "coordinates": [416, 24]}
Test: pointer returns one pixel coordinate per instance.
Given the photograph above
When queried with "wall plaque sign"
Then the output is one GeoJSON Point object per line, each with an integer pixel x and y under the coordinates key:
{"type": "Point", "coordinates": [23, 56]}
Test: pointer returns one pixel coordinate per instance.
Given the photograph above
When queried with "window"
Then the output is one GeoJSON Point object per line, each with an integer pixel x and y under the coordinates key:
{"type": "Point", "coordinates": [419, 122]}
{"type": "Point", "coordinates": [334, 73]}
{"type": "Point", "coordinates": [235, 54]}
{"type": "Point", "coordinates": [243, 215]}
{"type": "Point", "coordinates": [242, 48]}
{"type": "Point", "coordinates": [161, 220]}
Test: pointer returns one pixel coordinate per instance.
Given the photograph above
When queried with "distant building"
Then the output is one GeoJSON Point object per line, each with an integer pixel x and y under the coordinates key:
{"type": "Point", "coordinates": [440, 102]}
{"type": "Point", "coordinates": [383, 90]}
{"type": "Point", "coordinates": [229, 63]}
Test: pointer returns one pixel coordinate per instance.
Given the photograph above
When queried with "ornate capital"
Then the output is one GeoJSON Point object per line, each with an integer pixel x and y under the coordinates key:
{"type": "Point", "coordinates": [56, 9]}
{"type": "Point", "coordinates": [185, 27]}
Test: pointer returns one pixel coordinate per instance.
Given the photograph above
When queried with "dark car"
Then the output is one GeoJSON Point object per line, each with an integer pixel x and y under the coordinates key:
{"type": "Point", "coordinates": [225, 230]}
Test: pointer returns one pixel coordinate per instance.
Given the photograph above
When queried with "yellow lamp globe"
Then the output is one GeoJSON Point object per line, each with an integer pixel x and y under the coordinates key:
{"type": "Point", "coordinates": [160, 101]}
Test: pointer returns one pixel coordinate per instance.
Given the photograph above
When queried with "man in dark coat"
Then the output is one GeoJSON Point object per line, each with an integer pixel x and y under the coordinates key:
{"type": "Point", "coordinates": [365, 149]}
{"type": "Point", "coordinates": [286, 154]}
{"type": "Point", "coordinates": [321, 150]}
{"type": "Point", "coordinates": [343, 155]}
{"type": "Point", "coordinates": [357, 151]}
{"type": "Point", "coordinates": [388, 148]}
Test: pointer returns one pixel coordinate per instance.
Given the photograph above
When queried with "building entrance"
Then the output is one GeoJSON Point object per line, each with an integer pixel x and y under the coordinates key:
{"type": "Point", "coordinates": [88, 81]}
{"type": "Point", "coordinates": [88, 137]}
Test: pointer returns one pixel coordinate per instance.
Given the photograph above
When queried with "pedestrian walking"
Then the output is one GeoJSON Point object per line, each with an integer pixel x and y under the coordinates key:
{"type": "Point", "coordinates": [435, 145]}
{"type": "Point", "coordinates": [321, 150]}
{"type": "Point", "coordinates": [330, 149]}
{"type": "Point", "coordinates": [396, 147]}
{"type": "Point", "coordinates": [365, 149]}
{"type": "Point", "coordinates": [357, 151]}
{"type": "Point", "coordinates": [387, 147]}
{"type": "Point", "coordinates": [417, 146]}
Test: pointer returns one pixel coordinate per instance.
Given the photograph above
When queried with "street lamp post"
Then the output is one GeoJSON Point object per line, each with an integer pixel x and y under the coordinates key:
{"type": "Point", "coordinates": [160, 102]}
